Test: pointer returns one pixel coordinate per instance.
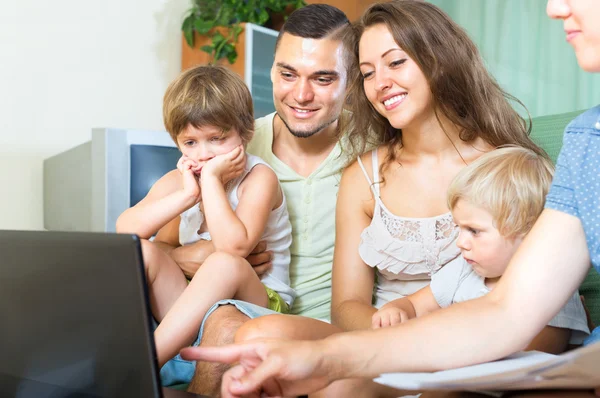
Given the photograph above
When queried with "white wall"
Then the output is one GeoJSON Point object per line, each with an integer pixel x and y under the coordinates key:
{"type": "Point", "coordinates": [67, 66]}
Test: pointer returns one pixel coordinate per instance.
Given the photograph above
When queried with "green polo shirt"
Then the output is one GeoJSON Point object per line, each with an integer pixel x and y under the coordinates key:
{"type": "Point", "coordinates": [311, 204]}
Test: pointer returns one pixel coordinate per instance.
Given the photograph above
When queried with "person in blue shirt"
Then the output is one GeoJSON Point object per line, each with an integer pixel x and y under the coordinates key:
{"type": "Point", "coordinates": [552, 262]}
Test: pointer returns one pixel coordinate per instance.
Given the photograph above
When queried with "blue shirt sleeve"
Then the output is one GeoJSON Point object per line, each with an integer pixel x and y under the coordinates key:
{"type": "Point", "coordinates": [561, 196]}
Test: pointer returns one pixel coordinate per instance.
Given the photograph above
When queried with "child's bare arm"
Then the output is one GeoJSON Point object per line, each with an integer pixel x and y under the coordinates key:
{"type": "Point", "coordinates": [239, 232]}
{"type": "Point", "coordinates": [393, 313]}
{"type": "Point", "coordinates": [401, 310]}
{"type": "Point", "coordinates": [164, 202]}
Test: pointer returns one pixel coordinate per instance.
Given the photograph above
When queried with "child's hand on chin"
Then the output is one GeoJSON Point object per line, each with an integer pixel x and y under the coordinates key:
{"type": "Point", "coordinates": [189, 170]}
{"type": "Point", "coordinates": [226, 167]}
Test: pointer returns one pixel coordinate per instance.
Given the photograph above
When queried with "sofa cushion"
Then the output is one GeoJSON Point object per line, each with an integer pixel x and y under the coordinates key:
{"type": "Point", "coordinates": [547, 131]}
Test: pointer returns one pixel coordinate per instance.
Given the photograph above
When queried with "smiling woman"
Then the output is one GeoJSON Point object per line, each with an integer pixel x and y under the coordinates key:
{"type": "Point", "coordinates": [432, 108]}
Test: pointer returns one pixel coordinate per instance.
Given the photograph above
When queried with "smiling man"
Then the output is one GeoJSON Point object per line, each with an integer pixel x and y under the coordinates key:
{"type": "Point", "coordinates": [300, 142]}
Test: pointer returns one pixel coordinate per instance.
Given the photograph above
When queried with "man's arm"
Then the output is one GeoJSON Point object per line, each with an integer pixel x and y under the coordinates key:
{"type": "Point", "coordinates": [543, 274]}
{"type": "Point", "coordinates": [191, 257]}
{"type": "Point", "coordinates": [188, 257]}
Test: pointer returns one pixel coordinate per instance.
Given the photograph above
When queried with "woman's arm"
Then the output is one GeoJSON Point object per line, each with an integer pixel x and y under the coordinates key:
{"type": "Point", "coordinates": [542, 275]}
{"type": "Point", "coordinates": [164, 202]}
{"type": "Point", "coordinates": [239, 232]}
{"type": "Point", "coordinates": [352, 279]}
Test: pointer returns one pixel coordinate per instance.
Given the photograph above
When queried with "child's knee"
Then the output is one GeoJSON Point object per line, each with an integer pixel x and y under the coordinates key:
{"type": "Point", "coordinates": [228, 264]}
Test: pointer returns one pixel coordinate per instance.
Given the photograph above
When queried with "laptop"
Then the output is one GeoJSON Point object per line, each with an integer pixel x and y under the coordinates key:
{"type": "Point", "coordinates": [75, 318]}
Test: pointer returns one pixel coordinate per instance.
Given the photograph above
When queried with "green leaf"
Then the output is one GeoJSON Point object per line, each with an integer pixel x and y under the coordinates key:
{"type": "Point", "coordinates": [217, 38]}
{"type": "Point", "coordinates": [207, 14]}
{"type": "Point", "coordinates": [230, 52]}
{"type": "Point", "coordinates": [207, 49]}
{"type": "Point", "coordinates": [263, 16]}
{"type": "Point", "coordinates": [237, 29]}
{"type": "Point", "coordinates": [188, 30]}
{"type": "Point", "coordinates": [203, 27]}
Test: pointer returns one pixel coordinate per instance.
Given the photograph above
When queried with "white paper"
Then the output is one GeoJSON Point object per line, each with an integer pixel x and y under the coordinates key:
{"type": "Point", "coordinates": [525, 370]}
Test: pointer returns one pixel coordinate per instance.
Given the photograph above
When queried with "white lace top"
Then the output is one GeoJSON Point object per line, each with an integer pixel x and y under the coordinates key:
{"type": "Point", "coordinates": [404, 251]}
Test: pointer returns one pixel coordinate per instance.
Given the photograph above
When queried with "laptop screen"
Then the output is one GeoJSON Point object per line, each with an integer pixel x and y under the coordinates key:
{"type": "Point", "coordinates": [75, 319]}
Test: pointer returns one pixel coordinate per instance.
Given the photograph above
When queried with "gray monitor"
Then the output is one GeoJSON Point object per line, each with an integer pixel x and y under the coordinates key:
{"type": "Point", "coordinates": [87, 187]}
{"type": "Point", "coordinates": [259, 58]}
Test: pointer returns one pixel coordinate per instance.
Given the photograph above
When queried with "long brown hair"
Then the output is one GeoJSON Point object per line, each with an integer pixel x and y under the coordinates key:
{"type": "Point", "coordinates": [462, 89]}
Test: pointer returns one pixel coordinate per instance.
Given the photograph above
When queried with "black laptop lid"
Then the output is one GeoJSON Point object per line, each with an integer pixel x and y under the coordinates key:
{"type": "Point", "coordinates": [74, 316]}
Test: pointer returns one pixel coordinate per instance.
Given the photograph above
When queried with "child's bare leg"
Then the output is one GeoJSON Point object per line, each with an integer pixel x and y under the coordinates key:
{"type": "Point", "coordinates": [221, 276]}
{"type": "Point", "coordinates": [165, 279]}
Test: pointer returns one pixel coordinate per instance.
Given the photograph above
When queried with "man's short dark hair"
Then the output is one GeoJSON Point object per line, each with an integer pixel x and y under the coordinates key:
{"type": "Point", "coordinates": [315, 21]}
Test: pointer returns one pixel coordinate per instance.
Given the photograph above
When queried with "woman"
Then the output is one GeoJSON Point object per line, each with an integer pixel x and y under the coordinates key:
{"type": "Point", "coordinates": [552, 261]}
{"type": "Point", "coordinates": [430, 106]}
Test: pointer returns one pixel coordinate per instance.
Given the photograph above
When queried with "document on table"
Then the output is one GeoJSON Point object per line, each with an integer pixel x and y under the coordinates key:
{"type": "Point", "coordinates": [525, 370]}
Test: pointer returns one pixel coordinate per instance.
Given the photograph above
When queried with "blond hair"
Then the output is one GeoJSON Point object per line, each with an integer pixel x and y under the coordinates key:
{"type": "Point", "coordinates": [209, 95]}
{"type": "Point", "coordinates": [510, 183]}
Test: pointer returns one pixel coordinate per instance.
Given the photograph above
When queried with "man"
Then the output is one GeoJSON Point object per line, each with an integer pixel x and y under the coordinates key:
{"type": "Point", "coordinates": [300, 142]}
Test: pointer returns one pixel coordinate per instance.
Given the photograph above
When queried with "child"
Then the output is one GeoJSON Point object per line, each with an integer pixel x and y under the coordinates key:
{"type": "Point", "coordinates": [494, 201]}
{"type": "Point", "coordinates": [219, 199]}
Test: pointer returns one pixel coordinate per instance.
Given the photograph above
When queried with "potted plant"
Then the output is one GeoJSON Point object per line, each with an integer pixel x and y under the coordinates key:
{"type": "Point", "coordinates": [221, 20]}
